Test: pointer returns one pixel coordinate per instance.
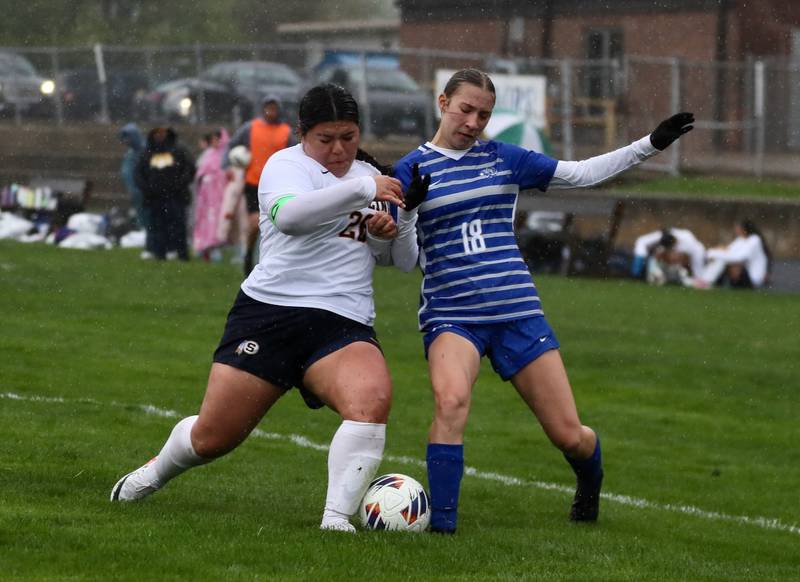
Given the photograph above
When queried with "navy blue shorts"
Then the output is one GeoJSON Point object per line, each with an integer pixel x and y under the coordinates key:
{"type": "Point", "coordinates": [510, 345]}
{"type": "Point", "coordinates": [278, 343]}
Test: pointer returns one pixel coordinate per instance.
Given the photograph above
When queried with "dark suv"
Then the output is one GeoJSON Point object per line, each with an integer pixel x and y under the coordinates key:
{"type": "Point", "coordinates": [21, 87]}
{"type": "Point", "coordinates": [396, 105]}
{"type": "Point", "coordinates": [228, 86]}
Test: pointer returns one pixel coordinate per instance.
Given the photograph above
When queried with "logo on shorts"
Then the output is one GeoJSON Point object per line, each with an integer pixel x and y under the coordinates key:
{"type": "Point", "coordinates": [543, 339]}
{"type": "Point", "coordinates": [248, 348]}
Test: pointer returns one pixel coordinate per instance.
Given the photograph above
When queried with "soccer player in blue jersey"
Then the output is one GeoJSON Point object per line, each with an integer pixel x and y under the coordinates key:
{"type": "Point", "coordinates": [478, 297]}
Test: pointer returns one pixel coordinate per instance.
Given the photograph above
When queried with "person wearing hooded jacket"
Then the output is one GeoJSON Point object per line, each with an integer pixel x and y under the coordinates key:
{"type": "Point", "coordinates": [131, 136]}
{"type": "Point", "coordinates": [164, 173]}
{"type": "Point", "coordinates": [262, 136]}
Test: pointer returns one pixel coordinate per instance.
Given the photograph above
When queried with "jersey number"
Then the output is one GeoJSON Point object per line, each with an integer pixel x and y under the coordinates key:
{"type": "Point", "coordinates": [472, 237]}
{"type": "Point", "coordinates": [357, 229]}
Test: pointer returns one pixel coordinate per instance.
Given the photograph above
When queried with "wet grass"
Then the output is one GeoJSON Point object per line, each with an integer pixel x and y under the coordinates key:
{"type": "Point", "coordinates": [690, 185]}
{"type": "Point", "coordinates": [695, 395]}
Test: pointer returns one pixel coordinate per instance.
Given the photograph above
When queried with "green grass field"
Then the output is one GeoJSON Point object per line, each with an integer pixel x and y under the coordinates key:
{"type": "Point", "coordinates": [707, 186]}
{"type": "Point", "coordinates": [695, 395]}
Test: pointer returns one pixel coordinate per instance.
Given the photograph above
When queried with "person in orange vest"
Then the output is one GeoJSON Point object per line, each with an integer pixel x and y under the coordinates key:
{"type": "Point", "coordinates": [263, 136]}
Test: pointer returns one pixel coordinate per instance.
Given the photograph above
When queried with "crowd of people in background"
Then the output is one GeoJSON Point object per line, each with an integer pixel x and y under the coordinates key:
{"type": "Point", "coordinates": [160, 176]}
{"type": "Point", "coordinates": [676, 256]}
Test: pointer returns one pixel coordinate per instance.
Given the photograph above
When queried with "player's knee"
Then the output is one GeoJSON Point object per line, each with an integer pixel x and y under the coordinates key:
{"type": "Point", "coordinates": [450, 404]}
{"type": "Point", "coordinates": [568, 439]}
{"type": "Point", "coordinates": [374, 408]}
{"type": "Point", "coordinates": [210, 444]}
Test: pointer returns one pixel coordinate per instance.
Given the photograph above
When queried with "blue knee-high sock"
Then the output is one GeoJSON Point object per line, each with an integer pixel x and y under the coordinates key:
{"type": "Point", "coordinates": [445, 468]}
{"type": "Point", "coordinates": [588, 471]}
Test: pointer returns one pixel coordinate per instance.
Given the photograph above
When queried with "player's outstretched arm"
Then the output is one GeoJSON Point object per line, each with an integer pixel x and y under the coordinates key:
{"type": "Point", "coordinates": [587, 173]}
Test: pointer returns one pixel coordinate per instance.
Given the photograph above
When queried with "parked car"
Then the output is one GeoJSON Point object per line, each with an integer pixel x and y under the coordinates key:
{"type": "Point", "coordinates": [228, 89]}
{"type": "Point", "coordinates": [395, 102]}
{"type": "Point", "coordinates": [82, 93]}
{"type": "Point", "coordinates": [22, 88]}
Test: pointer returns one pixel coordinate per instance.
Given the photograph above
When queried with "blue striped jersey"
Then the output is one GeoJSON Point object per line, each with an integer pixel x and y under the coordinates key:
{"type": "Point", "coordinates": [473, 269]}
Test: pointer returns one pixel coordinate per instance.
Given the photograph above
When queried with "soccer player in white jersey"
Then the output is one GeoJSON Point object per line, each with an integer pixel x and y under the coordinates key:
{"type": "Point", "coordinates": [303, 317]}
{"type": "Point", "coordinates": [477, 294]}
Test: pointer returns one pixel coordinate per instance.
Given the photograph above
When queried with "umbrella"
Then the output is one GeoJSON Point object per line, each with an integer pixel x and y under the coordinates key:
{"type": "Point", "coordinates": [511, 127]}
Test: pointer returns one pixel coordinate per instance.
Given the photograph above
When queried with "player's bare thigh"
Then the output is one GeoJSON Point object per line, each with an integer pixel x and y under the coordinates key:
{"type": "Point", "coordinates": [234, 403]}
{"type": "Point", "coordinates": [354, 381]}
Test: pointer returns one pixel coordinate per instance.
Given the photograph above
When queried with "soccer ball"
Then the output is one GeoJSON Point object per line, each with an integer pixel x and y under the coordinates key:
{"type": "Point", "coordinates": [239, 156]}
{"type": "Point", "coordinates": [395, 502]}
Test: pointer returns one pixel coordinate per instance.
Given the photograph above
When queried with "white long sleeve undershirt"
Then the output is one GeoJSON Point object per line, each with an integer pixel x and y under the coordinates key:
{"type": "Point", "coordinates": [307, 212]}
{"type": "Point", "coordinates": [593, 171]}
{"type": "Point", "coordinates": [401, 251]}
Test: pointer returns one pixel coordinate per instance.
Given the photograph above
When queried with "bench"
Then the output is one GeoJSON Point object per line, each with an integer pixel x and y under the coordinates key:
{"type": "Point", "coordinates": [550, 237]}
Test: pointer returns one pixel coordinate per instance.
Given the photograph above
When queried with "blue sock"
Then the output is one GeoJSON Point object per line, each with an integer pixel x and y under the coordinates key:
{"type": "Point", "coordinates": [445, 468]}
{"type": "Point", "coordinates": [589, 470]}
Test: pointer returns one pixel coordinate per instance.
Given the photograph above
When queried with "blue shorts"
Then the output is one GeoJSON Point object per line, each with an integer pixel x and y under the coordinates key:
{"type": "Point", "coordinates": [510, 345]}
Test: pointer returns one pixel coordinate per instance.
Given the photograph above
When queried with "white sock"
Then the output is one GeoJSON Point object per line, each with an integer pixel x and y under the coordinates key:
{"type": "Point", "coordinates": [354, 456]}
{"type": "Point", "coordinates": [177, 455]}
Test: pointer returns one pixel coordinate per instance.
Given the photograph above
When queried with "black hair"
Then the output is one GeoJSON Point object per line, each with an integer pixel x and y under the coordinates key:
{"type": "Point", "coordinates": [471, 76]}
{"type": "Point", "coordinates": [330, 102]}
{"type": "Point", "coordinates": [668, 239]}
{"type": "Point", "coordinates": [382, 168]}
{"type": "Point", "coordinates": [325, 103]}
{"type": "Point", "coordinates": [749, 227]}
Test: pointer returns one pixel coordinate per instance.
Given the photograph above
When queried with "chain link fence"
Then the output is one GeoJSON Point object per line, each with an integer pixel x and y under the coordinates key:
{"type": "Point", "coordinates": [748, 113]}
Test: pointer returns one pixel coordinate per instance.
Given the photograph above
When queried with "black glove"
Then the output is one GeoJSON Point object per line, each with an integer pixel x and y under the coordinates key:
{"type": "Point", "coordinates": [671, 129]}
{"type": "Point", "coordinates": [417, 189]}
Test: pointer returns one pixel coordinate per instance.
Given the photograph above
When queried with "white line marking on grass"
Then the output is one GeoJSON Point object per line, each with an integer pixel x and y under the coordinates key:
{"type": "Point", "coordinates": [303, 442]}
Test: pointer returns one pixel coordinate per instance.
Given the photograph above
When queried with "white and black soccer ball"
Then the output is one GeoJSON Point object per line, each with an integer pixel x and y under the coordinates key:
{"type": "Point", "coordinates": [395, 502]}
{"type": "Point", "coordinates": [239, 156]}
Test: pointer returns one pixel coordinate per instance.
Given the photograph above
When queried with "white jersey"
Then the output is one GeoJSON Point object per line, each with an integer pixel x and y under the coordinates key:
{"type": "Point", "coordinates": [685, 242]}
{"type": "Point", "coordinates": [329, 265]}
{"type": "Point", "coordinates": [749, 251]}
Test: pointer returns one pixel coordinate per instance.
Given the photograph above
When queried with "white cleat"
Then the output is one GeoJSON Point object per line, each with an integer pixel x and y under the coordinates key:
{"type": "Point", "coordinates": [338, 525]}
{"type": "Point", "coordinates": [136, 484]}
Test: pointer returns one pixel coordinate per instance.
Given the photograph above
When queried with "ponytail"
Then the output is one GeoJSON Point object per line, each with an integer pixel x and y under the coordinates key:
{"type": "Point", "coordinates": [365, 157]}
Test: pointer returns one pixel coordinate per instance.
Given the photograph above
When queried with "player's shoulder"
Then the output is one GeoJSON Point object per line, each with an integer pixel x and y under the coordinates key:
{"type": "Point", "coordinates": [361, 168]}
{"type": "Point", "coordinates": [290, 155]}
{"type": "Point", "coordinates": [290, 161]}
{"type": "Point", "coordinates": [416, 156]}
{"type": "Point", "coordinates": [502, 148]}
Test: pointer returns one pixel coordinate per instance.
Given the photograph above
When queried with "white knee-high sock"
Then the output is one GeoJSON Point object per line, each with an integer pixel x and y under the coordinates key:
{"type": "Point", "coordinates": [355, 454]}
{"type": "Point", "coordinates": [177, 455]}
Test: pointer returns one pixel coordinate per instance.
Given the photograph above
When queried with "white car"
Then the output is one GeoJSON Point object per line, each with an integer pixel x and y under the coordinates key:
{"type": "Point", "coordinates": [21, 87]}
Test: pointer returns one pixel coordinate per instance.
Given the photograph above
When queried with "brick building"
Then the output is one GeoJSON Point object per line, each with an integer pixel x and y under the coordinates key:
{"type": "Point", "coordinates": [696, 32]}
{"type": "Point", "coordinates": [721, 30]}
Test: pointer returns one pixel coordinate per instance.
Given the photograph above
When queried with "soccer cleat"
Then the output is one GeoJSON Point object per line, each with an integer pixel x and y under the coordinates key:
{"type": "Point", "coordinates": [136, 484]}
{"type": "Point", "coordinates": [586, 505]}
{"type": "Point", "coordinates": [338, 525]}
{"type": "Point", "coordinates": [446, 532]}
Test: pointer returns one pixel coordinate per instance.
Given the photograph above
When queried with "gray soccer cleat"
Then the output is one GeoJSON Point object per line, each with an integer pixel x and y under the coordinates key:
{"type": "Point", "coordinates": [338, 525]}
{"type": "Point", "coordinates": [136, 484]}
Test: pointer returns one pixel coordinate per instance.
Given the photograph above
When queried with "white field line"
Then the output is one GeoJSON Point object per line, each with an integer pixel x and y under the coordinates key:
{"type": "Point", "coordinates": [303, 442]}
